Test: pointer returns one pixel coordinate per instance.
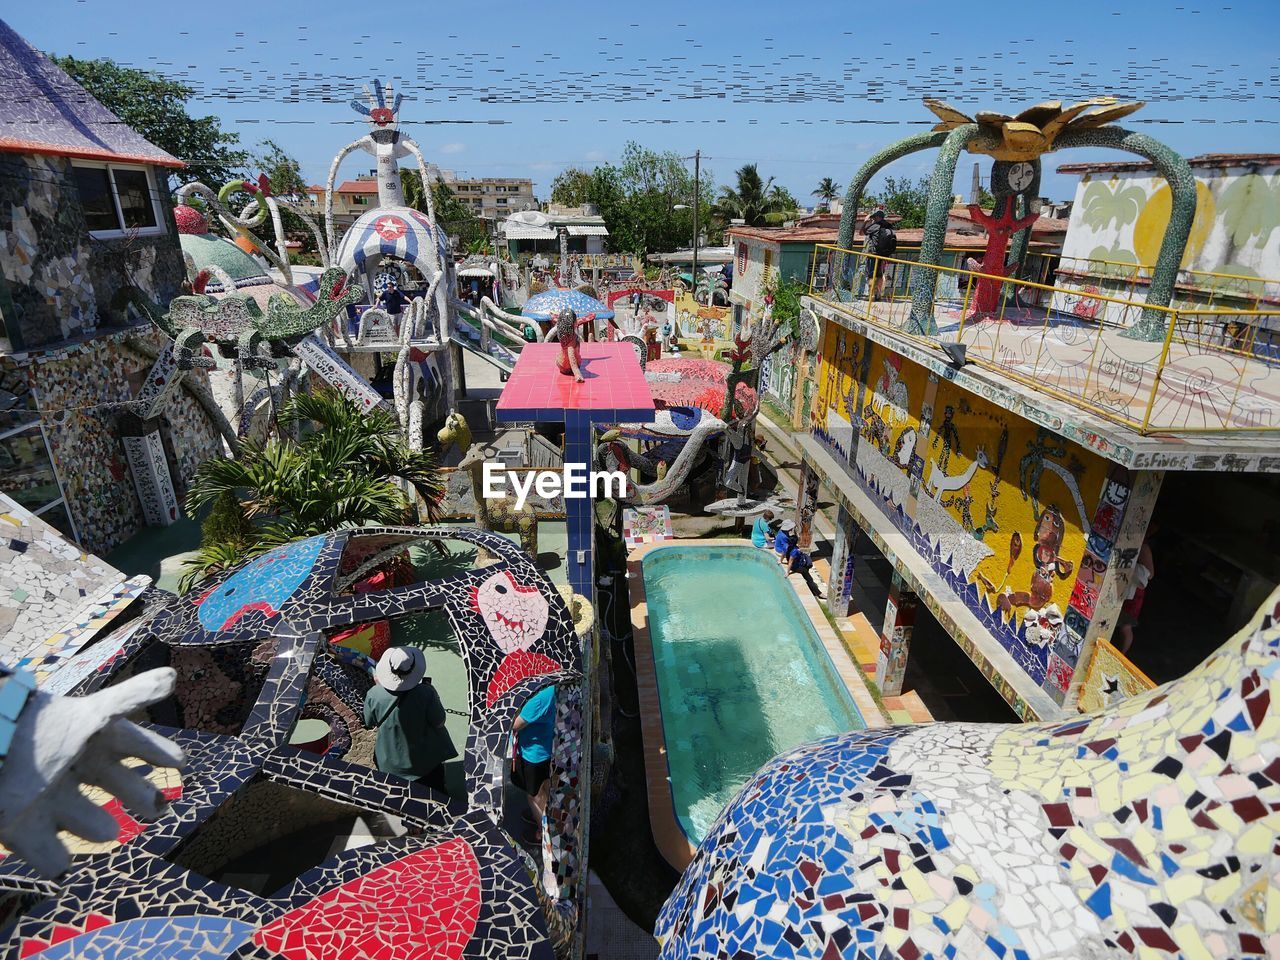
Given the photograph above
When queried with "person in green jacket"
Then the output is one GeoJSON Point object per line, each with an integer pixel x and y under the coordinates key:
{"type": "Point", "coordinates": [407, 713]}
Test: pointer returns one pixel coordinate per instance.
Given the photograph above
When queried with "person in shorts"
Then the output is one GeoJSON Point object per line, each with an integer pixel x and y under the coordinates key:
{"type": "Point", "coordinates": [531, 762]}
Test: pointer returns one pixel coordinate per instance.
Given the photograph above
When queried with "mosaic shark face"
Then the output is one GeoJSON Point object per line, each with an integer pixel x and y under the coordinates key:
{"type": "Point", "coordinates": [265, 584]}
{"type": "Point", "coordinates": [516, 615]}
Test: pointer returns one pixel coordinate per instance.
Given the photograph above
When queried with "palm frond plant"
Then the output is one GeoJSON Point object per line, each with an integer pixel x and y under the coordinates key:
{"type": "Point", "coordinates": [751, 200]}
{"type": "Point", "coordinates": [348, 468]}
{"type": "Point", "coordinates": [827, 191]}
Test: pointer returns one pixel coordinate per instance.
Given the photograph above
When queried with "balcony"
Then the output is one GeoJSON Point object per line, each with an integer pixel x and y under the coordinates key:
{"type": "Point", "coordinates": [1209, 369]}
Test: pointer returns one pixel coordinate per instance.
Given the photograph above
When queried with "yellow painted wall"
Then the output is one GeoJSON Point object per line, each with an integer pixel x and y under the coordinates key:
{"type": "Point", "coordinates": [1008, 499]}
{"type": "Point", "coordinates": [1003, 505]}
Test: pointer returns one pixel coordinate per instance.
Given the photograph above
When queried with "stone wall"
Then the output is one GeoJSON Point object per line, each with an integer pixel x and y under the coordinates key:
{"type": "Point", "coordinates": [84, 441]}
{"type": "Point", "coordinates": [57, 281]}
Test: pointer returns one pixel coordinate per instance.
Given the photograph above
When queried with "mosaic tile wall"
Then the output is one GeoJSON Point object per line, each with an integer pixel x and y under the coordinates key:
{"type": "Point", "coordinates": [457, 887]}
{"type": "Point", "coordinates": [1150, 829]}
{"type": "Point", "coordinates": [70, 386]}
{"type": "Point", "coordinates": [45, 249]}
{"type": "Point", "coordinates": [50, 590]}
{"type": "Point", "coordinates": [1019, 522]}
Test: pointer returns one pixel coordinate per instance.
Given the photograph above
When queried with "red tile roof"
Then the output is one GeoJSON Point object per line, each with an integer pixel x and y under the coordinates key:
{"type": "Point", "coordinates": [368, 185]}
{"type": "Point", "coordinates": [1042, 227]}
{"type": "Point", "coordinates": [818, 228]}
{"type": "Point", "coordinates": [1204, 160]}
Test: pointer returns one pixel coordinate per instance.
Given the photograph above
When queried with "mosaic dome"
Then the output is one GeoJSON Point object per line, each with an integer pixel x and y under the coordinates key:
{"type": "Point", "coordinates": [398, 232]}
{"type": "Point", "coordinates": [1146, 829]}
{"type": "Point", "coordinates": [544, 306]}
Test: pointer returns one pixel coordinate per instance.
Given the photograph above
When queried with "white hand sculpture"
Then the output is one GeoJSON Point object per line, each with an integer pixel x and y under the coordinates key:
{"type": "Point", "coordinates": [61, 742]}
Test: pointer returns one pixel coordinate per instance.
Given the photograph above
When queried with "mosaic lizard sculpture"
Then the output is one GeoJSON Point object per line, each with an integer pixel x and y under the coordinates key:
{"type": "Point", "coordinates": [238, 326]}
{"type": "Point", "coordinates": [1148, 829]}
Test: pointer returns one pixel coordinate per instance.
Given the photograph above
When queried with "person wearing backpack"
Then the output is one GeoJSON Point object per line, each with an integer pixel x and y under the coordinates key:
{"type": "Point", "coordinates": [883, 242]}
{"type": "Point", "coordinates": [880, 241]}
{"type": "Point", "coordinates": [405, 709]}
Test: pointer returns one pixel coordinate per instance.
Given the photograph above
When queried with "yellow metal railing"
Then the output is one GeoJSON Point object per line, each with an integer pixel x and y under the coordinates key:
{"type": "Point", "coordinates": [1212, 370]}
{"type": "Point", "coordinates": [1201, 288]}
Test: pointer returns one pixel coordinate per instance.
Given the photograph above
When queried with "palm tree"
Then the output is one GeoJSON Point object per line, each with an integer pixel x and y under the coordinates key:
{"type": "Point", "coordinates": [346, 471]}
{"type": "Point", "coordinates": [827, 191]}
{"type": "Point", "coordinates": [752, 201]}
{"type": "Point", "coordinates": [707, 286]}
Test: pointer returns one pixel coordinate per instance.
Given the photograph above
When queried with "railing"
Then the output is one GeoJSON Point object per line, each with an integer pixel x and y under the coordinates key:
{"type": "Point", "coordinates": [1154, 369]}
{"type": "Point", "coordinates": [1196, 288]}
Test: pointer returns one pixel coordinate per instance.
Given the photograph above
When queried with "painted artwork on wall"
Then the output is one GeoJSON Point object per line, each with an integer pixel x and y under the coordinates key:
{"type": "Point", "coordinates": [1003, 510]}
{"type": "Point", "coordinates": [1121, 217]}
{"type": "Point", "coordinates": [1111, 679]}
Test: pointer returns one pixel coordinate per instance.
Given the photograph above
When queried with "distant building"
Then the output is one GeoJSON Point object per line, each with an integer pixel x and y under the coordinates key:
{"type": "Point", "coordinates": [86, 225]}
{"type": "Point", "coordinates": [531, 233]}
{"type": "Point", "coordinates": [492, 197]}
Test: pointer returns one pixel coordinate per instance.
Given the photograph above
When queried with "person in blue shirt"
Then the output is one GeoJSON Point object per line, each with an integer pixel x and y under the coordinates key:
{"type": "Point", "coordinates": [531, 764]}
{"type": "Point", "coordinates": [785, 541]}
{"type": "Point", "coordinates": [800, 562]}
{"type": "Point", "coordinates": [762, 531]}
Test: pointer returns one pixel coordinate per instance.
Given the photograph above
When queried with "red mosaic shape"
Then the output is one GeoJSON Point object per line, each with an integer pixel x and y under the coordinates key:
{"type": "Point", "coordinates": [1059, 672]}
{"type": "Point", "coordinates": [515, 667]}
{"type": "Point", "coordinates": [129, 827]}
{"type": "Point", "coordinates": [423, 905]}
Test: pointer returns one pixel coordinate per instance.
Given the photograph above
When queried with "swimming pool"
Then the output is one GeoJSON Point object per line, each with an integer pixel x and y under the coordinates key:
{"type": "Point", "coordinates": [741, 673]}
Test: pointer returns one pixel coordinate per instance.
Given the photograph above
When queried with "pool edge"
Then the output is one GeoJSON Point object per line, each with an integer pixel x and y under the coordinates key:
{"type": "Point", "coordinates": [669, 836]}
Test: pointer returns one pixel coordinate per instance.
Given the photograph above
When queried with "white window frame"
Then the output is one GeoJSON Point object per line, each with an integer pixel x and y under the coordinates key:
{"type": "Point", "coordinates": [61, 499]}
{"type": "Point", "coordinates": [160, 229]}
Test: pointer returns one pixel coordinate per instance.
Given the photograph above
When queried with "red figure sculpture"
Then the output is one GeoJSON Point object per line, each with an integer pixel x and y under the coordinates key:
{"type": "Point", "coordinates": [567, 323]}
{"type": "Point", "coordinates": [999, 229]}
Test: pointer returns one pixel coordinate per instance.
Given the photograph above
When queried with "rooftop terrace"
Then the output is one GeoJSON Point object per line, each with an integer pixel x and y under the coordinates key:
{"type": "Point", "coordinates": [1214, 372]}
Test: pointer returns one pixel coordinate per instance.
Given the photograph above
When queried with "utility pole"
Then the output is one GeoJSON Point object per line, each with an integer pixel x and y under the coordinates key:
{"type": "Point", "coordinates": [697, 202]}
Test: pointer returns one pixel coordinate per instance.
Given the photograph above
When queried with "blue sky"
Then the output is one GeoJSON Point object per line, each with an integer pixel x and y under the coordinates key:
{"type": "Point", "coordinates": [805, 89]}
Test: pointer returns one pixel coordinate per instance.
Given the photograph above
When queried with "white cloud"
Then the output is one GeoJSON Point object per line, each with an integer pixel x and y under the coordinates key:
{"type": "Point", "coordinates": [453, 148]}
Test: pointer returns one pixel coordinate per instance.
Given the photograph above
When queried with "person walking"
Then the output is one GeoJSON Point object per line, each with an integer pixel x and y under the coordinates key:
{"type": "Point", "coordinates": [534, 729]}
{"type": "Point", "coordinates": [406, 711]}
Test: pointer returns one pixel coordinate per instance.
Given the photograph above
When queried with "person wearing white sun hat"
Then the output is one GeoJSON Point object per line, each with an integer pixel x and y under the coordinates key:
{"type": "Point", "coordinates": [785, 540]}
{"type": "Point", "coordinates": [405, 709]}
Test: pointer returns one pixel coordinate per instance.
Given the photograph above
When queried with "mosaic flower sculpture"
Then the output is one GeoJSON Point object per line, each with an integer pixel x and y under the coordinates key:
{"type": "Point", "coordinates": [1033, 131]}
{"type": "Point", "coordinates": [1148, 829]}
{"type": "Point", "coordinates": [240, 328]}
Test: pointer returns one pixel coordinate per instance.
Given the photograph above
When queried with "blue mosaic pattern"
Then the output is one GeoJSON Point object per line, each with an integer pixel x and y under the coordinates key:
{"type": "Point", "coordinates": [545, 306]}
{"type": "Point", "coordinates": [1146, 830]}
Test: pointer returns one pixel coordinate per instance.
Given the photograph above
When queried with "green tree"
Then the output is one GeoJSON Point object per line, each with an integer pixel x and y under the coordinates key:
{"type": "Point", "coordinates": [282, 169]}
{"type": "Point", "coordinates": [827, 191]}
{"type": "Point", "coordinates": [454, 217]}
{"type": "Point", "coordinates": [346, 470]}
{"type": "Point", "coordinates": [909, 199]}
{"type": "Point", "coordinates": [156, 107]}
{"type": "Point", "coordinates": [637, 198]}
{"type": "Point", "coordinates": [752, 200]}
{"type": "Point", "coordinates": [572, 187]}
{"type": "Point", "coordinates": [285, 174]}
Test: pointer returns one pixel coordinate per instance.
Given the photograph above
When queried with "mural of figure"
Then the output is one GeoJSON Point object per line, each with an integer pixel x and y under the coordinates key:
{"type": "Point", "coordinates": [1050, 531]}
{"type": "Point", "coordinates": [948, 437]}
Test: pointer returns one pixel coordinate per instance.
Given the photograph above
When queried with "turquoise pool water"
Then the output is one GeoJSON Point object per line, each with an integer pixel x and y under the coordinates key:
{"type": "Point", "coordinates": [742, 674]}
